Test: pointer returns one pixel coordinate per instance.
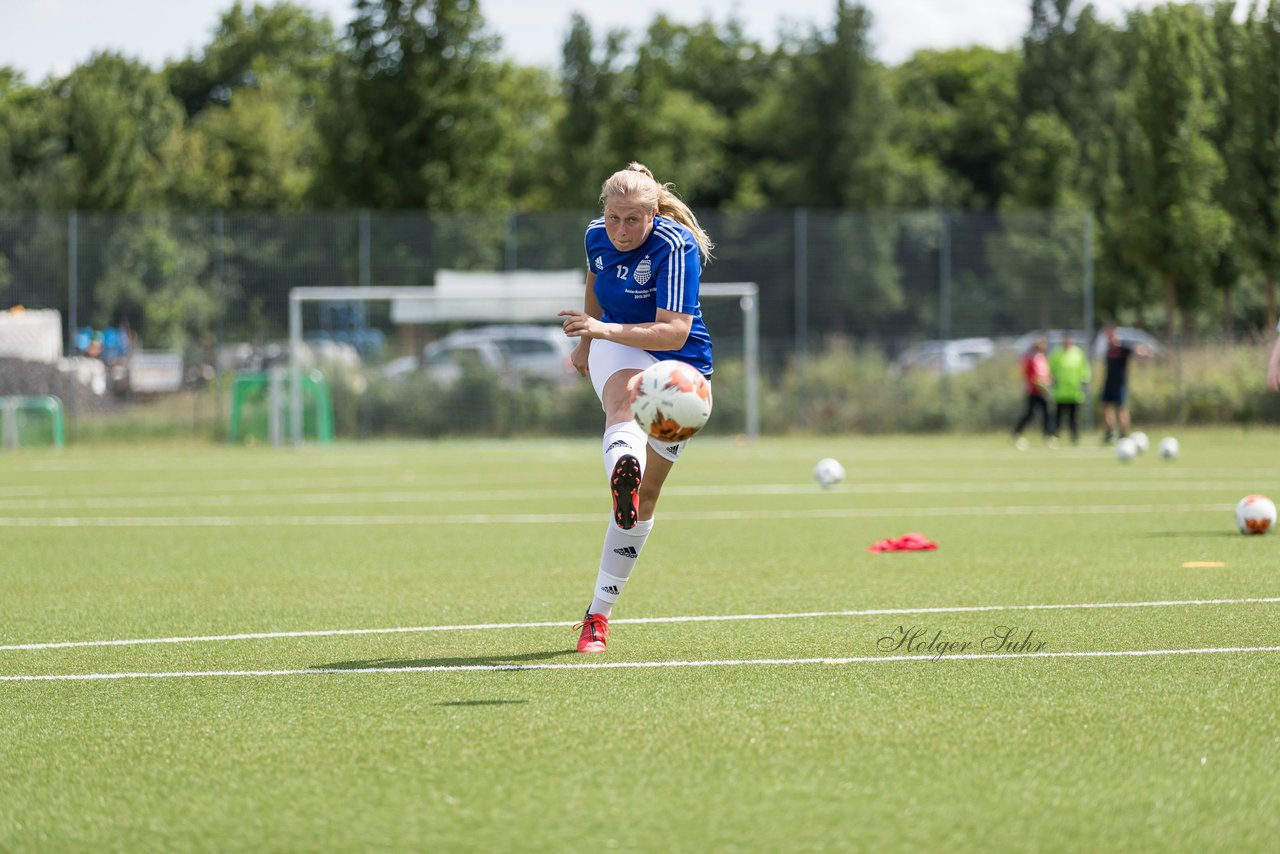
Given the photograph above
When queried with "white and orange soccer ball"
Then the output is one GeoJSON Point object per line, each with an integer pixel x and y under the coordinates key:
{"type": "Point", "coordinates": [670, 400]}
{"type": "Point", "coordinates": [1255, 514]}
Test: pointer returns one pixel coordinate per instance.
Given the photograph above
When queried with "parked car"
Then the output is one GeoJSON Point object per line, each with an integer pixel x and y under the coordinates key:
{"type": "Point", "coordinates": [1128, 335]}
{"type": "Point", "coordinates": [947, 357]}
{"type": "Point", "coordinates": [533, 350]}
{"type": "Point", "coordinates": [517, 352]}
{"type": "Point", "coordinates": [1054, 337]}
{"type": "Point", "coordinates": [366, 341]}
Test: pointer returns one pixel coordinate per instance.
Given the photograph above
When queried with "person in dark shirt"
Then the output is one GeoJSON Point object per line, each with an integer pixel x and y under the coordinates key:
{"type": "Point", "coordinates": [1115, 388]}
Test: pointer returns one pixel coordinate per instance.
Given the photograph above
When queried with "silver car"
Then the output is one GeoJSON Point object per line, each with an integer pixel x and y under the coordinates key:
{"type": "Point", "coordinates": [516, 352]}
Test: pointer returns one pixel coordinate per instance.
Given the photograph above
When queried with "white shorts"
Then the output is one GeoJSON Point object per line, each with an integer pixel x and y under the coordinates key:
{"type": "Point", "coordinates": [604, 360]}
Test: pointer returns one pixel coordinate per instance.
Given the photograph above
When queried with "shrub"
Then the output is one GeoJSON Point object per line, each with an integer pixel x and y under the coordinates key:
{"type": "Point", "coordinates": [840, 390]}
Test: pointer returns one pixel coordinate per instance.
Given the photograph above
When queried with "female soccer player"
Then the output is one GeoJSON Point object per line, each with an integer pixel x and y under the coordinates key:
{"type": "Point", "coordinates": [644, 264]}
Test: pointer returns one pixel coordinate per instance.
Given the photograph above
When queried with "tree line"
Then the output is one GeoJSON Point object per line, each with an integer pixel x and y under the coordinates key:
{"type": "Point", "coordinates": [1166, 127]}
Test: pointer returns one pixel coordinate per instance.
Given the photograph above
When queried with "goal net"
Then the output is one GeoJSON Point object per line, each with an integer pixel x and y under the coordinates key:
{"type": "Point", "coordinates": [482, 354]}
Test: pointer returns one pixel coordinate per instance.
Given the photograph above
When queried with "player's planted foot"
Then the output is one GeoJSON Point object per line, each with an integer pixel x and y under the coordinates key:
{"type": "Point", "coordinates": [595, 633]}
{"type": "Point", "coordinates": [624, 483]}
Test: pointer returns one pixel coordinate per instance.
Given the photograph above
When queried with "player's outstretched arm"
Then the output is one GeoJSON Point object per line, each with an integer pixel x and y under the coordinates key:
{"type": "Point", "coordinates": [668, 331]}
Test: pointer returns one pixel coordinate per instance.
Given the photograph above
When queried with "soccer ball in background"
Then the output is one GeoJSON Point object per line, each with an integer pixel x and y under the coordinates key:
{"type": "Point", "coordinates": [670, 400]}
{"type": "Point", "coordinates": [1169, 448]}
{"type": "Point", "coordinates": [1141, 441]}
{"type": "Point", "coordinates": [828, 472]}
{"type": "Point", "coordinates": [1126, 449]}
{"type": "Point", "coordinates": [1255, 514]}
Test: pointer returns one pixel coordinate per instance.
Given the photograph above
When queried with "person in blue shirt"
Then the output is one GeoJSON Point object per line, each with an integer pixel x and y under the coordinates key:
{"type": "Point", "coordinates": [644, 266]}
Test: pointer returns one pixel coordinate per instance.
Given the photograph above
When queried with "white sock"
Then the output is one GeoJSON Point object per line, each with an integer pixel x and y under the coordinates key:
{"type": "Point", "coordinates": [617, 559]}
{"type": "Point", "coordinates": [622, 439]}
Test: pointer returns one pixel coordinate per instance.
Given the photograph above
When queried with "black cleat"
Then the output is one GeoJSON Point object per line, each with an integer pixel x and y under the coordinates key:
{"type": "Point", "coordinates": [625, 486]}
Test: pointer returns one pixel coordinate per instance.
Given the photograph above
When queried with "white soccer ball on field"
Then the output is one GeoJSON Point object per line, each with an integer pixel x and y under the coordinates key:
{"type": "Point", "coordinates": [828, 472]}
{"type": "Point", "coordinates": [1255, 514]}
{"type": "Point", "coordinates": [1126, 449]}
{"type": "Point", "coordinates": [1168, 448]}
{"type": "Point", "coordinates": [670, 400]}
{"type": "Point", "coordinates": [1140, 439]}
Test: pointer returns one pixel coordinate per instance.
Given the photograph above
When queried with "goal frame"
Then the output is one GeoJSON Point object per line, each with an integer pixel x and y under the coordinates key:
{"type": "Point", "coordinates": [746, 292]}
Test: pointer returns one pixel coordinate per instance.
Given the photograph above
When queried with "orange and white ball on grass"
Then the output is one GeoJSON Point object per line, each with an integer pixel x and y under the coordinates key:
{"type": "Point", "coordinates": [670, 400]}
{"type": "Point", "coordinates": [1255, 514]}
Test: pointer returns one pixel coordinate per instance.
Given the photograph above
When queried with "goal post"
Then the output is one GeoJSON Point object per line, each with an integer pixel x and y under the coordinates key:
{"type": "Point", "coordinates": [506, 301]}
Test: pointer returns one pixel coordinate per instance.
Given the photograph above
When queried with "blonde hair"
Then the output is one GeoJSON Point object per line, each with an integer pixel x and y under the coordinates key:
{"type": "Point", "coordinates": [637, 184]}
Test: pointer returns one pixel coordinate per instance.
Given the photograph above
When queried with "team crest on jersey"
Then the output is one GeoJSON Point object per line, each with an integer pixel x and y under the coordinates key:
{"type": "Point", "coordinates": [599, 262]}
{"type": "Point", "coordinates": [644, 272]}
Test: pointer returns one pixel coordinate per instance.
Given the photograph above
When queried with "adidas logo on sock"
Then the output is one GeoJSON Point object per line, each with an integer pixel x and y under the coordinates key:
{"type": "Point", "coordinates": [627, 551]}
{"type": "Point", "coordinates": [611, 590]}
{"type": "Point", "coordinates": [673, 450]}
{"type": "Point", "coordinates": [619, 443]}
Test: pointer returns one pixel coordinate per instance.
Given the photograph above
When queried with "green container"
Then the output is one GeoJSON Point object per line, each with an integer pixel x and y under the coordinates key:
{"type": "Point", "coordinates": [15, 419]}
{"type": "Point", "coordinates": [251, 407]}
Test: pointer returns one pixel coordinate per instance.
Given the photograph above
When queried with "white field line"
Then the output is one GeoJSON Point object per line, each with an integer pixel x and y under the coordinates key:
{"type": "Point", "coordinates": [562, 518]}
{"type": "Point", "coordinates": [634, 665]}
{"type": "Point", "coordinates": [720, 618]}
{"type": "Point", "coordinates": [32, 498]}
{"type": "Point", "coordinates": [245, 484]}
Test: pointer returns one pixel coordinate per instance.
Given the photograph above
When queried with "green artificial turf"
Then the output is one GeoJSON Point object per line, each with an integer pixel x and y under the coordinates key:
{"type": "Point", "coordinates": [312, 614]}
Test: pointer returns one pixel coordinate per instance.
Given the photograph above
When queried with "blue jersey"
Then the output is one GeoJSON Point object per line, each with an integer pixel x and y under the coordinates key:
{"type": "Point", "coordinates": [665, 273]}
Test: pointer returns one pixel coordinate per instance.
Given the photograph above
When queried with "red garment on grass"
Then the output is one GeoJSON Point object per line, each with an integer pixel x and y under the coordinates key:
{"type": "Point", "coordinates": [913, 542]}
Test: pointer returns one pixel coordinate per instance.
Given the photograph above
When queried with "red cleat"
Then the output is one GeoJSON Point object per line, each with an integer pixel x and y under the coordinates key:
{"type": "Point", "coordinates": [595, 633]}
{"type": "Point", "coordinates": [625, 486]}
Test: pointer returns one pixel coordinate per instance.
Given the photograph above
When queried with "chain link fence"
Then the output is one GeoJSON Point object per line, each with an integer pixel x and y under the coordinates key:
{"type": "Point", "coordinates": [214, 289]}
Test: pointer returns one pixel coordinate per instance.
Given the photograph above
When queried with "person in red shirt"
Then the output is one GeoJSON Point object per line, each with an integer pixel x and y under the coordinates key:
{"type": "Point", "coordinates": [1039, 383]}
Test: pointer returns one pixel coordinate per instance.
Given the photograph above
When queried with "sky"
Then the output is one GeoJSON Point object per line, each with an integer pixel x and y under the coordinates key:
{"type": "Point", "coordinates": [43, 37]}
